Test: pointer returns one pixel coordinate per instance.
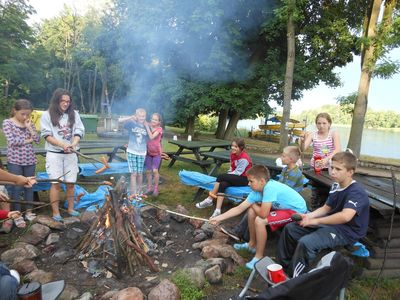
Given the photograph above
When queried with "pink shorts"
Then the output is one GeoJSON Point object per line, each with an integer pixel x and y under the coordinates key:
{"type": "Point", "coordinates": [279, 218]}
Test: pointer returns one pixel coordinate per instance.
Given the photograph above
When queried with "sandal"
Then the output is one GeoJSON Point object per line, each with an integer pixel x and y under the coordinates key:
{"type": "Point", "coordinates": [58, 218]}
{"type": "Point", "coordinates": [7, 226]}
{"type": "Point", "coordinates": [19, 222]}
{"type": "Point", "coordinates": [74, 213]}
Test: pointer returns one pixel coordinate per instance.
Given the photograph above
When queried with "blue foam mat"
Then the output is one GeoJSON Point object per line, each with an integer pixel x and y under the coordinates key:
{"type": "Point", "coordinates": [207, 182]}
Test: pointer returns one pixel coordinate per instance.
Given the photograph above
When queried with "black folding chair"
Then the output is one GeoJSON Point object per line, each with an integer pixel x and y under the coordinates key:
{"type": "Point", "coordinates": [326, 281]}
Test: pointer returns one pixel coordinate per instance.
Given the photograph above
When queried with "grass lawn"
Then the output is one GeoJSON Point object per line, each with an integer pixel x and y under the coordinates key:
{"type": "Point", "coordinates": [172, 192]}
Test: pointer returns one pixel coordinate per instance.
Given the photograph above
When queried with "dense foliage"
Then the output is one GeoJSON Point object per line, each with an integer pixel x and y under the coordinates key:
{"type": "Point", "coordinates": [373, 119]}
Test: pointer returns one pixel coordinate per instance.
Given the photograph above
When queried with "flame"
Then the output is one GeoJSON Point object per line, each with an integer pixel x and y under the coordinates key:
{"type": "Point", "coordinates": [107, 223]}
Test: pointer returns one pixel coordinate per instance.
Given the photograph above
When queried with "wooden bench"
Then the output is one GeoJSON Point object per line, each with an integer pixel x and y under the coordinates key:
{"type": "Point", "coordinates": [203, 164]}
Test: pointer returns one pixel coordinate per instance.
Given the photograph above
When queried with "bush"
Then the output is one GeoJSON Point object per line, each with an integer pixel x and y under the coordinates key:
{"type": "Point", "coordinates": [187, 288]}
{"type": "Point", "coordinates": [6, 105]}
{"type": "Point", "coordinates": [206, 123]}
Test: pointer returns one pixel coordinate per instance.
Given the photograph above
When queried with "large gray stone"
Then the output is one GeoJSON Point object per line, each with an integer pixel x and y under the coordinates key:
{"type": "Point", "coordinates": [130, 293]}
{"type": "Point", "coordinates": [213, 275]}
{"type": "Point", "coordinates": [52, 238]}
{"type": "Point", "coordinates": [182, 210]}
{"type": "Point", "coordinates": [40, 276]}
{"type": "Point", "coordinates": [49, 221]}
{"type": "Point", "coordinates": [69, 293]}
{"type": "Point", "coordinates": [165, 290]}
{"type": "Point", "coordinates": [25, 266]}
{"type": "Point", "coordinates": [86, 296]}
{"type": "Point", "coordinates": [16, 255]}
{"type": "Point", "coordinates": [208, 228]}
{"type": "Point", "coordinates": [196, 275]}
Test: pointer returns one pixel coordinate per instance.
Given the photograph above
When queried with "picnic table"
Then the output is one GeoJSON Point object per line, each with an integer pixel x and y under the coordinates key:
{"type": "Point", "coordinates": [379, 190]}
{"type": "Point", "coordinates": [109, 148]}
{"type": "Point", "coordinates": [194, 147]}
{"type": "Point", "coordinates": [221, 157]}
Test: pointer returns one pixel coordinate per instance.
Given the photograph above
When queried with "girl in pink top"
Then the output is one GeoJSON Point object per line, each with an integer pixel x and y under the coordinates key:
{"type": "Point", "coordinates": [152, 161]}
{"type": "Point", "coordinates": [21, 133]}
{"type": "Point", "coordinates": [326, 143]}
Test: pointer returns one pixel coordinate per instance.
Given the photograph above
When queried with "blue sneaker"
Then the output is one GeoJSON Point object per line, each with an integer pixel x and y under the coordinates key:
{"type": "Point", "coordinates": [74, 213]}
{"type": "Point", "coordinates": [250, 264]}
{"type": "Point", "coordinates": [244, 246]}
{"type": "Point", "coordinates": [58, 218]}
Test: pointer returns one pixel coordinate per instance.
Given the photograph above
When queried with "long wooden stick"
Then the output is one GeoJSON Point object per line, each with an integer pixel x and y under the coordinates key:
{"type": "Point", "coordinates": [175, 213]}
{"type": "Point", "coordinates": [24, 202]}
{"type": "Point", "coordinates": [87, 157]}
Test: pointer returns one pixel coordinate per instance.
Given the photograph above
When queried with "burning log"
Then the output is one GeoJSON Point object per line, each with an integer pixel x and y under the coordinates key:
{"type": "Point", "coordinates": [116, 236]}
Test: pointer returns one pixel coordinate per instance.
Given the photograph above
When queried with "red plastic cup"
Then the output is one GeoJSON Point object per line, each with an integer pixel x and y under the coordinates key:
{"type": "Point", "coordinates": [276, 273]}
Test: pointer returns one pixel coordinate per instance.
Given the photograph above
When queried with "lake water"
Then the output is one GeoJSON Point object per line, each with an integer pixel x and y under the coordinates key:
{"type": "Point", "coordinates": [375, 142]}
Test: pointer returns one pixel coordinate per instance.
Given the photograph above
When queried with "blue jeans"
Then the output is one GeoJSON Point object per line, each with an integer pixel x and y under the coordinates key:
{"type": "Point", "coordinates": [8, 284]}
{"type": "Point", "coordinates": [302, 244]}
{"type": "Point", "coordinates": [16, 190]}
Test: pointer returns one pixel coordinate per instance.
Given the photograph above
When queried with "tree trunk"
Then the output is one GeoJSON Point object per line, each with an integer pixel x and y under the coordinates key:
{"type": "Point", "coordinates": [83, 109]}
{"type": "Point", "coordinates": [190, 126]}
{"type": "Point", "coordinates": [93, 101]}
{"type": "Point", "coordinates": [230, 129]}
{"type": "Point", "coordinates": [287, 93]}
{"type": "Point", "coordinates": [368, 63]}
{"type": "Point", "coordinates": [222, 117]}
{"type": "Point", "coordinates": [6, 87]}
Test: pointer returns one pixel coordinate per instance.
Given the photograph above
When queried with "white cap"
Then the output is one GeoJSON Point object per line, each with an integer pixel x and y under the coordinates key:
{"type": "Point", "coordinates": [15, 274]}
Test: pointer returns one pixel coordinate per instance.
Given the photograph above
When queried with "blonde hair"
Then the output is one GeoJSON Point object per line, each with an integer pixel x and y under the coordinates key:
{"type": "Point", "coordinates": [293, 151]}
{"type": "Point", "coordinates": [140, 110]}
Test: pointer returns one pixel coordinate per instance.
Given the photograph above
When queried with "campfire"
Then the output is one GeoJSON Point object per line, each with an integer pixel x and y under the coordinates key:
{"type": "Point", "coordinates": [115, 240]}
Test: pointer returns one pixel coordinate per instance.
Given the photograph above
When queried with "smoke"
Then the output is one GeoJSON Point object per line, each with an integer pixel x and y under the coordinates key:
{"type": "Point", "coordinates": [164, 42]}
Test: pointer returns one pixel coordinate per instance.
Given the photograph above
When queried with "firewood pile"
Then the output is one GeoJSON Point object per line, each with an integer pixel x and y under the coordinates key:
{"type": "Point", "coordinates": [115, 239]}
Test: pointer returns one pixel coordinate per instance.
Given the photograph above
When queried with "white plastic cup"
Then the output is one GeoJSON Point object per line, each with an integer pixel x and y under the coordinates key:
{"type": "Point", "coordinates": [189, 138]}
{"type": "Point", "coordinates": [175, 138]}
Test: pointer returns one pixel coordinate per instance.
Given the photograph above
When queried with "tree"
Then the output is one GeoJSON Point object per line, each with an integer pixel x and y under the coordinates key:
{"type": "Point", "coordinates": [15, 38]}
{"type": "Point", "coordinates": [376, 39]}
{"type": "Point", "coordinates": [290, 63]}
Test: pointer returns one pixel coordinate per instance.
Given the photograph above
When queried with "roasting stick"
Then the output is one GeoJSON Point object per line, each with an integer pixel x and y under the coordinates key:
{"type": "Point", "coordinates": [175, 213]}
{"type": "Point", "coordinates": [104, 161]}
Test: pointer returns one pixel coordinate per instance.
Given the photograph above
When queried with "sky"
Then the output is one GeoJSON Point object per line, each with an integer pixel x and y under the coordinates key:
{"type": "Point", "coordinates": [382, 93]}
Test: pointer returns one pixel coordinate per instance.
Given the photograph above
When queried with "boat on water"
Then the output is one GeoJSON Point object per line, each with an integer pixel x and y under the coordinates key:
{"type": "Point", "coordinates": [271, 129]}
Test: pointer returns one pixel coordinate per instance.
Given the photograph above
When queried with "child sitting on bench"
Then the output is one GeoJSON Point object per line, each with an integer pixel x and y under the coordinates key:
{"type": "Point", "coordinates": [237, 176]}
{"type": "Point", "coordinates": [343, 220]}
{"type": "Point", "coordinates": [270, 202]}
{"type": "Point", "coordinates": [291, 175]}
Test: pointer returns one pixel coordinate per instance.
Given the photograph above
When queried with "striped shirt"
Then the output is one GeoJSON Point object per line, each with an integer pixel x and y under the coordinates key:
{"type": "Point", "coordinates": [293, 178]}
{"type": "Point", "coordinates": [322, 147]}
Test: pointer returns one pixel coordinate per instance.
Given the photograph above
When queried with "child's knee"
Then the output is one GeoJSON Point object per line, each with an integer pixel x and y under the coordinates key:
{"type": "Point", "coordinates": [261, 222]}
{"type": "Point", "coordinates": [251, 213]}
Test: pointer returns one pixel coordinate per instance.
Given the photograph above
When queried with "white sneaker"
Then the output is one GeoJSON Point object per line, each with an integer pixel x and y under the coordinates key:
{"type": "Point", "coordinates": [216, 213]}
{"type": "Point", "coordinates": [30, 217]}
{"type": "Point", "coordinates": [205, 203]}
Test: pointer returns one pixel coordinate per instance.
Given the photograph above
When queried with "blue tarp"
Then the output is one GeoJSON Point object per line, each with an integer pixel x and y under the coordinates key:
{"type": "Point", "coordinates": [88, 199]}
{"type": "Point", "coordinates": [88, 169]}
{"type": "Point", "coordinates": [207, 182]}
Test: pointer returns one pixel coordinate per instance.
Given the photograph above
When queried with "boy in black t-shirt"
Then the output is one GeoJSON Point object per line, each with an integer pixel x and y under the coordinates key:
{"type": "Point", "coordinates": [343, 219]}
